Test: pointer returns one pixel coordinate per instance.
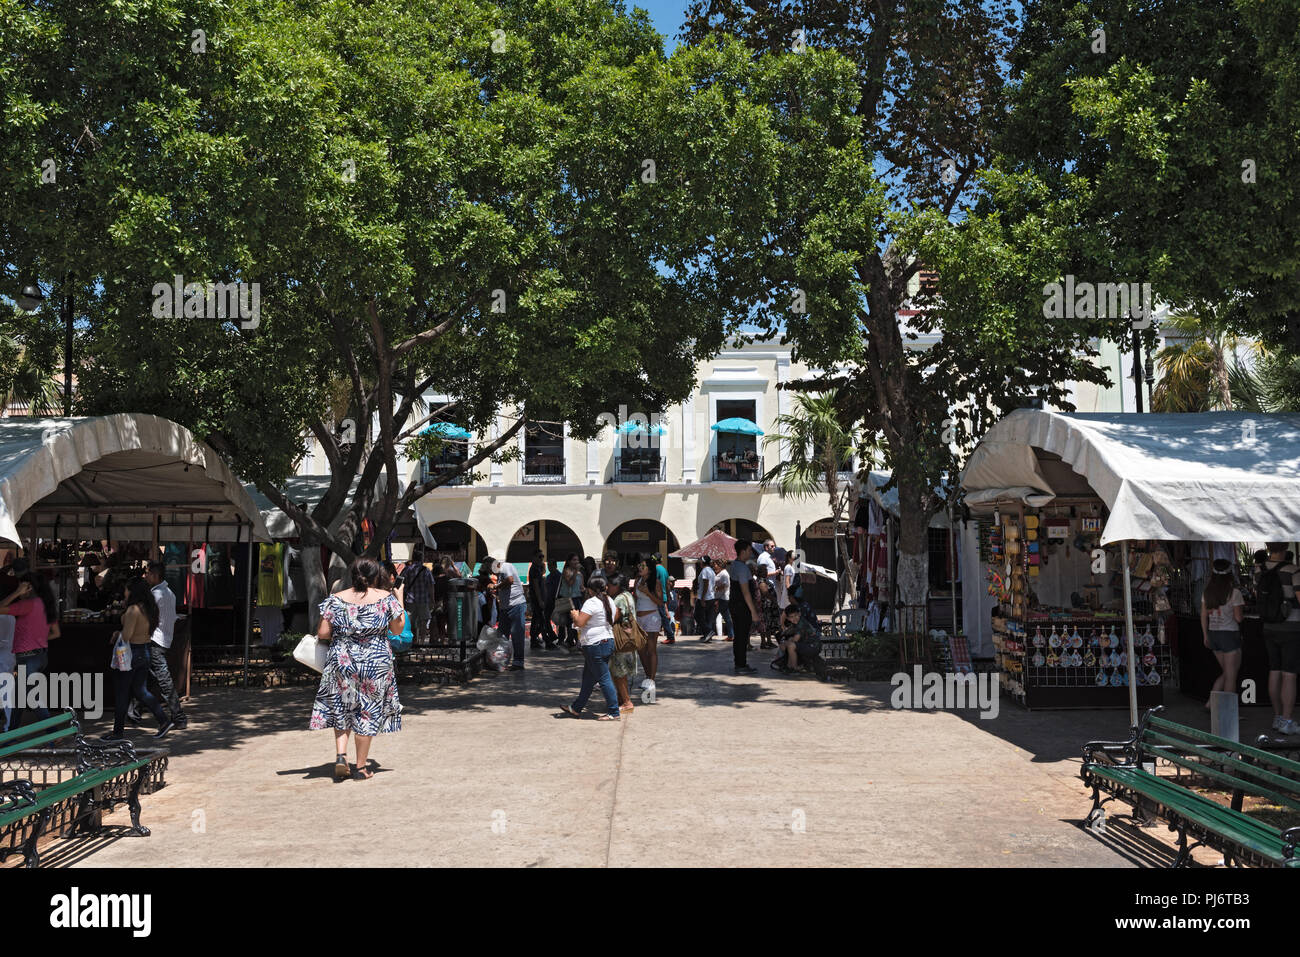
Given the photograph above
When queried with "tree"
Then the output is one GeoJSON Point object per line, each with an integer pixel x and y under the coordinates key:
{"type": "Point", "coordinates": [1176, 123]}
{"type": "Point", "coordinates": [815, 444]}
{"type": "Point", "coordinates": [898, 181]}
{"type": "Point", "coordinates": [512, 205]}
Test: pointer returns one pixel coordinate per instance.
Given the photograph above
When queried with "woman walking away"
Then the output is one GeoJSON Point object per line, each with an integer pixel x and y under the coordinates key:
{"type": "Point", "coordinates": [138, 623]}
{"type": "Point", "coordinates": [595, 623]}
{"type": "Point", "coordinates": [358, 690]}
{"type": "Point", "coordinates": [1222, 609]}
{"type": "Point", "coordinates": [647, 613]}
{"type": "Point", "coordinates": [622, 665]}
{"type": "Point", "coordinates": [34, 611]}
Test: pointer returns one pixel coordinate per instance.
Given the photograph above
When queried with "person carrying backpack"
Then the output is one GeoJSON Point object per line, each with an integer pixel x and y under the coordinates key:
{"type": "Point", "coordinates": [1275, 591]}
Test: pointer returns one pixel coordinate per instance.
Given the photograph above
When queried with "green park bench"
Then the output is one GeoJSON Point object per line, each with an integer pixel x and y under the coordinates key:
{"type": "Point", "coordinates": [1126, 770]}
{"type": "Point", "coordinates": [24, 807]}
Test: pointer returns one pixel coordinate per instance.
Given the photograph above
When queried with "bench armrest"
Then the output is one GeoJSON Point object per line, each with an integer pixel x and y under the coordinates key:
{"type": "Point", "coordinates": [1109, 749]}
{"type": "Point", "coordinates": [21, 789]}
{"type": "Point", "coordinates": [1292, 837]}
{"type": "Point", "coordinates": [106, 754]}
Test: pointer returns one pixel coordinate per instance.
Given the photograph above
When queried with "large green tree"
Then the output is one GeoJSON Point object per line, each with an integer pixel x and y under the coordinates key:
{"type": "Point", "coordinates": [1176, 129]}
{"type": "Point", "coordinates": [524, 205]}
{"type": "Point", "coordinates": [895, 183]}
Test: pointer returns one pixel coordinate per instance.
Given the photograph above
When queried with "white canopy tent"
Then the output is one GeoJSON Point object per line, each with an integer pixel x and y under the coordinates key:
{"type": "Point", "coordinates": [1212, 476]}
{"type": "Point", "coordinates": [120, 477]}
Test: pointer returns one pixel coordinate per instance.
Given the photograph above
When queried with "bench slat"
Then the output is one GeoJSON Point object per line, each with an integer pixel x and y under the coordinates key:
{"type": "Point", "coordinates": [1229, 761]}
{"type": "Point", "coordinates": [64, 718]}
{"type": "Point", "coordinates": [1229, 779]}
{"type": "Point", "coordinates": [48, 797]}
{"type": "Point", "coordinates": [1248, 832]}
{"type": "Point", "coordinates": [1268, 757]}
{"type": "Point", "coordinates": [29, 743]}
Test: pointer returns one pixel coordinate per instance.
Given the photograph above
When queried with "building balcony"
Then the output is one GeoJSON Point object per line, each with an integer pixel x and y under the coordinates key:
{"type": "Point", "coordinates": [544, 469]}
{"type": "Point", "coordinates": [639, 466]}
{"type": "Point", "coordinates": [430, 470]}
{"type": "Point", "coordinates": [737, 467]}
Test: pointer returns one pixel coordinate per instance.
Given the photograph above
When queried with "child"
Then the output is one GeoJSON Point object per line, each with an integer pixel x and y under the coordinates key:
{"type": "Point", "coordinates": [800, 642]}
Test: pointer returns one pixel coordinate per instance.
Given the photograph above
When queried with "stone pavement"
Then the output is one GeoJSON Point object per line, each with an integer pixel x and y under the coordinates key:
{"type": "Point", "coordinates": [766, 770]}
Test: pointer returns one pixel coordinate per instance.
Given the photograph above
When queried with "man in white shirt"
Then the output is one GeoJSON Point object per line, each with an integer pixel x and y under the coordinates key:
{"type": "Point", "coordinates": [707, 614]}
{"type": "Point", "coordinates": [162, 637]}
{"type": "Point", "coordinates": [514, 603]}
{"type": "Point", "coordinates": [769, 616]}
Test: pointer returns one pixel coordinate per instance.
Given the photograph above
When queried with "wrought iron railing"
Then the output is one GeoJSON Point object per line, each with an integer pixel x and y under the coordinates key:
{"type": "Point", "coordinates": [729, 467]}
{"type": "Point", "coordinates": [638, 467]}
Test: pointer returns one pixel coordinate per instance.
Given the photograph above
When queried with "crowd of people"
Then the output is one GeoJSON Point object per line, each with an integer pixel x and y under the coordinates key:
{"type": "Point", "coordinates": [576, 607]}
{"type": "Point", "coordinates": [29, 621]}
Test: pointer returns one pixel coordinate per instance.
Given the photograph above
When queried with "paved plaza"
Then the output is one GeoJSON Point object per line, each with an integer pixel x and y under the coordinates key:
{"type": "Point", "coordinates": [767, 771]}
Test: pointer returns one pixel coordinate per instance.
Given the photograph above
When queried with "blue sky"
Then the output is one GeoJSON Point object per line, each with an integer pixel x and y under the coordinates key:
{"type": "Point", "coordinates": [667, 16]}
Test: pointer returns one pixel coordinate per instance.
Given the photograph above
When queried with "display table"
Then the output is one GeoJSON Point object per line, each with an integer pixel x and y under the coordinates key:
{"type": "Point", "coordinates": [1198, 667]}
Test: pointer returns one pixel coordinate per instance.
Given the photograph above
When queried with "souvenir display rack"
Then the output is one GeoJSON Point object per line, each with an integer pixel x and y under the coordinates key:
{"type": "Point", "coordinates": [1075, 657]}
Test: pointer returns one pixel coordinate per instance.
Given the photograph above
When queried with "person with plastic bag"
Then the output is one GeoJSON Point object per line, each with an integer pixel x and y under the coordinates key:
{"type": "Point", "coordinates": [397, 587]}
{"type": "Point", "coordinates": [595, 624]}
{"type": "Point", "coordinates": [132, 647]}
{"type": "Point", "coordinates": [358, 688]}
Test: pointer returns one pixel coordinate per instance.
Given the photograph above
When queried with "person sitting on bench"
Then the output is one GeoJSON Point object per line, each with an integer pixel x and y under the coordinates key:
{"type": "Point", "coordinates": [800, 641]}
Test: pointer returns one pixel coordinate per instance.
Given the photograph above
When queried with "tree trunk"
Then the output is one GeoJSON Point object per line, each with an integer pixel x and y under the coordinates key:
{"type": "Point", "coordinates": [317, 588]}
{"type": "Point", "coordinates": [913, 576]}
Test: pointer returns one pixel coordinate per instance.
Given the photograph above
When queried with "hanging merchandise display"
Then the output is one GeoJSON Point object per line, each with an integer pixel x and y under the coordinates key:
{"type": "Point", "coordinates": [1059, 637]}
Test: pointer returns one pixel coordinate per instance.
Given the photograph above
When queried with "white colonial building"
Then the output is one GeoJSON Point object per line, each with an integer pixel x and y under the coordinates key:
{"type": "Point", "coordinates": [631, 494]}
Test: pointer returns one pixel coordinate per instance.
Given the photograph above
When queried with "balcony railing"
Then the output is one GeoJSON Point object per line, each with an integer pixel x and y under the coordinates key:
{"type": "Point", "coordinates": [431, 470]}
{"type": "Point", "coordinates": [639, 467]}
{"type": "Point", "coordinates": [737, 467]}
{"type": "Point", "coordinates": [544, 469]}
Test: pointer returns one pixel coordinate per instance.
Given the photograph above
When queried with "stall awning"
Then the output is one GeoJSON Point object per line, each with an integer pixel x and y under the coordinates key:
{"type": "Point", "coordinates": [888, 500]}
{"type": "Point", "coordinates": [107, 476]}
{"type": "Point", "coordinates": [1197, 476]}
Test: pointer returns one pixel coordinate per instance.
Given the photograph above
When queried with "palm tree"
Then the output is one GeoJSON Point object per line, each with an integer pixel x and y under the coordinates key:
{"type": "Point", "coordinates": [1273, 385]}
{"type": "Point", "coordinates": [816, 445]}
{"type": "Point", "coordinates": [1195, 376]}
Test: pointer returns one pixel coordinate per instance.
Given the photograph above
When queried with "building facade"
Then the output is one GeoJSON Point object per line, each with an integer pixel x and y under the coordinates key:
{"type": "Point", "coordinates": [631, 492]}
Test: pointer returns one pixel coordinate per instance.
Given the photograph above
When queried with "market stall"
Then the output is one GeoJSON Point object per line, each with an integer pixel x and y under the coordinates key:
{"type": "Point", "coordinates": [1054, 494]}
{"type": "Point", "coordinates": [90, 499]}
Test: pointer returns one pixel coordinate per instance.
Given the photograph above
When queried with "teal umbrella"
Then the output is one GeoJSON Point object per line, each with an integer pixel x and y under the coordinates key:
{"type": "Point", "coordinates": [738, 426]}
{"type": "Point", "coordinates": [448, 430]}
{"type": "Point", "coordinates": [633, 427]}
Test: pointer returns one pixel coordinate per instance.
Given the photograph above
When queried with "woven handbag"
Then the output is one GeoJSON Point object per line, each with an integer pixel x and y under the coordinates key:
{"type": "Point", "coordinates": [629, 636]}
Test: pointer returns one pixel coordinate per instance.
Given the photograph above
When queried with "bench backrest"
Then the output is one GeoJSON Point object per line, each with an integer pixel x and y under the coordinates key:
{"type": "Point", "coordinates": [39, 735]}
{"type": "Point", "coordinates": [1229, 762]}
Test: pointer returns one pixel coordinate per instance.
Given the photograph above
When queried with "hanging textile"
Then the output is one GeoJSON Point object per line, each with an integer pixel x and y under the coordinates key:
{"type": "Point", "coordinates": [295, 579]}
{"type": "Point", "coordinates": [220, 587]}
{"type": "Point", "coordinates": [270, 576]}
{"type": "Point", "coordinates": [176, 566]}
{"type": "Point", "coordinates": [196, 582]}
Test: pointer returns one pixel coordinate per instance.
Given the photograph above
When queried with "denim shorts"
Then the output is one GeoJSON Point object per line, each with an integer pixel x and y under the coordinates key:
{"type": "Point", "coordinates": [1225, 640]}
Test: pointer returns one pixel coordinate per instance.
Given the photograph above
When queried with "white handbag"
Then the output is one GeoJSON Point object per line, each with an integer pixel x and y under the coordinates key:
{"type": "Point", "coordinates": [312, 652]}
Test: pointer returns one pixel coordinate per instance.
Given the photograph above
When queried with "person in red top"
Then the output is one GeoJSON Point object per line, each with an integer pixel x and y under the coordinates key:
{"type": "Point", "coordinates": [33, 608]}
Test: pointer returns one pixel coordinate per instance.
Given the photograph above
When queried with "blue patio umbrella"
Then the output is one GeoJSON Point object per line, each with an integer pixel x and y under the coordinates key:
{"type": "Point", "coordinates": [737, 426]}
{"type": "Point", "coordinates": [448, 430]}
{"type": "Point", "coordinates": [633, 427]}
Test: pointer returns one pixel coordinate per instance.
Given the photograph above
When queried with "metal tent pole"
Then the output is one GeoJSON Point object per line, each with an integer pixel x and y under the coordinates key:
{"type": "Point", "coordinates": [248, 598]}
{"type": "Point", "coordinates": [1128, 640]}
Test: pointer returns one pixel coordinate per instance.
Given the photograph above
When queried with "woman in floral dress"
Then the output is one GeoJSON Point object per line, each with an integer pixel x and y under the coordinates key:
{"type": "Point", "coordinates": [358, 689]}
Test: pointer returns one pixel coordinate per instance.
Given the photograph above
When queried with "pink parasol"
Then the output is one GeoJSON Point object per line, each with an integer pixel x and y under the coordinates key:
{"type": "Point", "coordinates": [716, 544]}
